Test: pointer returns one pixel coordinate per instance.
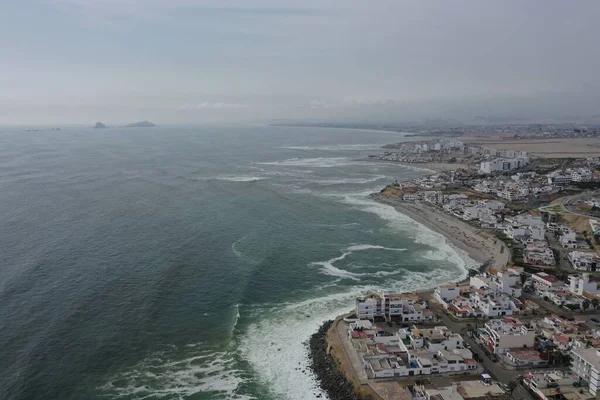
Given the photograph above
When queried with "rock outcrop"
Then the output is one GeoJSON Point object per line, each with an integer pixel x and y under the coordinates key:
{"type": "Point", "coordinates": [325, 367]}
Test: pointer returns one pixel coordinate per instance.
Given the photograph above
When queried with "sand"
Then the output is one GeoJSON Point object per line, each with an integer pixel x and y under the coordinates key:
{"type": "Point", "coordinates": [480, 245]}
{"type": "Point", "coordinates": [545, 148]}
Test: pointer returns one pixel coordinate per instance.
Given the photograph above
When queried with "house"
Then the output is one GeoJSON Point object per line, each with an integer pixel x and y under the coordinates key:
{"type": "Point", "coordinates": [492, 305]}
{"type": "Point", "coordinates": [446, 293]}
{"type": "Point", "coordinates": [388, 305]}
{"type": "Point", "coordinates": [508, 282]}
{"type": "Point", "coordinates": [568, 240]}
{"type": "Point", "coordinates": [508, 333]}
{"type": "Point", "coordinates": [522, 357]}
{"type": "Point", "coordinates": [583, 261]}
{"type": "Point", "coordinates": [542, 281]}
{"type": "Point", "coordinates": [538, 253]}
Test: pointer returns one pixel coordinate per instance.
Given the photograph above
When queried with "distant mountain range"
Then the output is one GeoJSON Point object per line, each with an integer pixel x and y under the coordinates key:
{"type": "Point", "coordinates": [141, 124]}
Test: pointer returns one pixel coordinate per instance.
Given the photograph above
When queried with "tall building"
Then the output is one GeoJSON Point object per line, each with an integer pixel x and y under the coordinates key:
{"type": "Point", "coordinates": [586, 364]}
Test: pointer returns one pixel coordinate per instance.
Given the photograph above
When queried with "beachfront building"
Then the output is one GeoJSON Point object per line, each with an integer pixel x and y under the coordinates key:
{"type": "Point", "coordinates": [412, 352]}
{"type": "Point", "coordinates": [585, 363]}
{"type": "Point", "coordinates": [499, 282]}
{"type": "Point", "coordinates": [446, 293]}
{"type": "Point", "coordinates": [503, 164]}
{"type": "Point", "coordinates": [388, 306]}
{"type": "Point", "coordinates": [504, 334]}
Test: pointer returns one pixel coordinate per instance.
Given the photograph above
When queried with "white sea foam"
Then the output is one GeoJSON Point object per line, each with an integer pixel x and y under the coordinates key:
{"type": "Point", "coordinates": [346, 181]}
{"type": "Point", "coordinates": [442, 250]}
{"type": "Point", "coordinates": [327, 267]}
{"type": "Point", "coordinates": [361, 247]}
{"type": "Point", "coordinates": [168, 375]}
{"type": "Point", "coordinates": [240, 178]}
{"type": "Point", "coordinates": [339, 147]}
{"type": "Point", "coordinates": [274, 345]}
{"type": "Point", "coordinates": [293, 188]}
{"type": "Point", "coordinates": [319, 162]}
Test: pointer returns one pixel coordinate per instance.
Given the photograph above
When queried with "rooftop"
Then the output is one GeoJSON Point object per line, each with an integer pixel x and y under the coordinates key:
{"type": "Point", "coordinates": [477, 389]}
{"type": "Point", "coordinates": [526, 354]}
{"type": "Point", "coordinates": [590, 356]}
{"type": "Point", "coordinates": [545, 276]}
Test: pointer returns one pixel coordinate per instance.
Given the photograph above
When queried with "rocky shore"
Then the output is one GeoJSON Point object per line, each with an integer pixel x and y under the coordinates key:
{"type": "Point", "coordinates": [325, 367]}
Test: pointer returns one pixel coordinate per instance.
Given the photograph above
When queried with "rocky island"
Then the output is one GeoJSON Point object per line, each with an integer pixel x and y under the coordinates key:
{"type": "Point", "coordinates": [100, 125]}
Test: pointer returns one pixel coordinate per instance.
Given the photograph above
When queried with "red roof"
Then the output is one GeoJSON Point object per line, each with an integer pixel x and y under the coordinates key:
{"type": "Point", "coordinates": [547, 278]}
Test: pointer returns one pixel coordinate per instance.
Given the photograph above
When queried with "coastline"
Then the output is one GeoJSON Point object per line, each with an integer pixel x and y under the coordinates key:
{"type": "Point", "coordinates": [481, 246]}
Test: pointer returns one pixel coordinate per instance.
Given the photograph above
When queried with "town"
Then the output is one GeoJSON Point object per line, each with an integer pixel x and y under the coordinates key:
{"type": "Point", "coordinates": [501, 334]}
{"type": "Point", "coordinates": [526, 324]}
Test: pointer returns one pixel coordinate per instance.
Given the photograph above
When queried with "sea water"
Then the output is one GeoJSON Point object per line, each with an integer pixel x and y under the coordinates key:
{"type": "Point", "coordinates": [192, 262]}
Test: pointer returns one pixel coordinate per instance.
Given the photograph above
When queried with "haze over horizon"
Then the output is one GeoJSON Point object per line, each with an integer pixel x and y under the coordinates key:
{"type": "Point", "coordinates": [191, 61]}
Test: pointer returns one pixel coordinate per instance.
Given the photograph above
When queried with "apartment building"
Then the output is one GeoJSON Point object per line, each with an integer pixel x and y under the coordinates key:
{"type": "Point", "coordinates": [585, 363]}
{"type": "Point", "coordinates": [508, 333]}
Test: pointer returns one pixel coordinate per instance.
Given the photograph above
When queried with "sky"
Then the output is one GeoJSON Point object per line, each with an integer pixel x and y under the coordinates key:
{"type": "Point", "coordinates": [190, 61]}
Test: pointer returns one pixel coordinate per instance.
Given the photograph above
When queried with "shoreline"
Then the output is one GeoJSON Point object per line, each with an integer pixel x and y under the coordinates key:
{"type": "Point", "coordinates": [479, 245]}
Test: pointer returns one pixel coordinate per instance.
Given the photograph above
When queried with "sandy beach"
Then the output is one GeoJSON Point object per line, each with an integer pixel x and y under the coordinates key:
{"type": "Point", "coordinates": [480, 245]}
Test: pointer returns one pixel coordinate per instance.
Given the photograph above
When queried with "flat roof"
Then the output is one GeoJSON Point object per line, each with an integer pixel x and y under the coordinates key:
{"type": "Point", "coordinates": [477, 389]}
{"type": "Point", "coordinates": [590, 356]}
{"type": "Point", "coordinates": [526, 354]}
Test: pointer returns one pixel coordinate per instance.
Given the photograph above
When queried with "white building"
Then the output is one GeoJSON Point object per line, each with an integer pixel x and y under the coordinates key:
{"type": "Point", "coordinates": [586, 364]}
{"type": "Point", "coordinates": [508, 282]}
{"type": "Point", "coordinates": [502, 165]}
{"type": "Point", "coordinates": [508, 333]}
{"type": "Point", "coordinates": [446, 293]}
{"type": "Point", "coordinates": [581, 283]}
{"type": "Point", "coordinates": [583, 261]}
{"type": "Point", "coordinates": [568, 240]}
{"type": "Point", "coordinates": [558, 178]}
{"type": "Point", "coordinates": [403, 306]}
{"type": "Point", "coordinates": [543, 281]}
{"type": "Point", "coordinates": [492, 305]}
{"type": "Point", "coordinates": [538, 253]}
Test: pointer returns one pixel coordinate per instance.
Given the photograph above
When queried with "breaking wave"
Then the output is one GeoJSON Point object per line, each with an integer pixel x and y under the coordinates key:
{"type": "Point", "coordinates": [327, 267]}
{"type": "Point", "coordinates": [319, 162]}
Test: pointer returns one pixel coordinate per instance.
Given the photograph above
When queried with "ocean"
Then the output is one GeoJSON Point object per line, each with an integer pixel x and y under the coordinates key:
{"type": "Point", "coordinates": [192, 262]}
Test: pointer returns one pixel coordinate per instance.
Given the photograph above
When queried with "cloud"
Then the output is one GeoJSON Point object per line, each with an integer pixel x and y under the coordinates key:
{"type": "Point", "coordinates": [213, 106]}
{"type": "Point", "coordinates": [349, 102]}
{"type": "Point", "coordinates": [124, 9]}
